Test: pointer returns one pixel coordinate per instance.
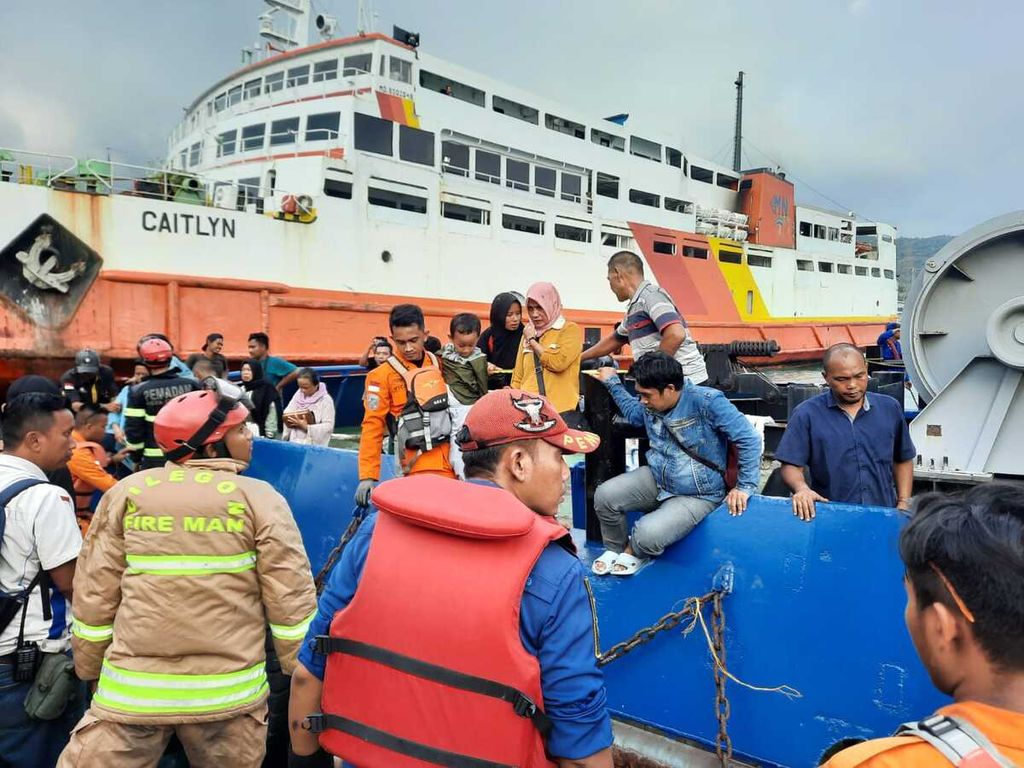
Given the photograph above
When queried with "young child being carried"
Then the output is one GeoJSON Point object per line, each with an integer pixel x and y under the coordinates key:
{"type": "Point", "coordinates": [465, 372]}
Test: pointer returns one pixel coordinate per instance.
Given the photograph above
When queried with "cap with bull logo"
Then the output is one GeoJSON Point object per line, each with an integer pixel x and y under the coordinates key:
{"type": "Point", "coordinates": [506, 415]}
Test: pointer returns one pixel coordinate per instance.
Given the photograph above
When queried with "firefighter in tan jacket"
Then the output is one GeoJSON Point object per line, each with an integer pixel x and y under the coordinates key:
{"type": "Point", "coordinates": [183, 569]}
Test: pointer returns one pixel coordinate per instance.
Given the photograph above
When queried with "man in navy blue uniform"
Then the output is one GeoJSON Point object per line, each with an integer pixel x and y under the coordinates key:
{"type": "Point", "coordinates": [855, 444]}
{"type": "Point", "coordinates": [513, 440]}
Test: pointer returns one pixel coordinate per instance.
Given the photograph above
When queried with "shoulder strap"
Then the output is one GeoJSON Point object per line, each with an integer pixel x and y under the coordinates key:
{"type": "Point", "coordinates": [695, 456]}
{"type": "Point", "coordinates": [957, 740]}
{"type": "Point", "coordinates": [7, 494]}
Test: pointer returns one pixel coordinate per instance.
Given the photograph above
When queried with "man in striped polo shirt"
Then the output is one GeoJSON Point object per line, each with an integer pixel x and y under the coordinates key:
{"type": "Point", "coordinates": [651, 323]}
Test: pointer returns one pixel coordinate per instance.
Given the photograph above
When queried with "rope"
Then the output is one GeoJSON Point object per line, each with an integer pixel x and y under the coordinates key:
{"type": "Point", "coordinates": [787, 691]}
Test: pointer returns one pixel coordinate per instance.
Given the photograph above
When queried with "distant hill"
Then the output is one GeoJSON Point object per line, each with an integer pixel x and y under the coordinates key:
{"type": "Point", "coordinates": [911, 254]}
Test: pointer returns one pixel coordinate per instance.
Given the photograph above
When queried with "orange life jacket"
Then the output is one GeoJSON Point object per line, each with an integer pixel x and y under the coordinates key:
{"type": "Point", "coordinates": [426, 666]}
{"type": "Point", "coordinates": [84, 491]}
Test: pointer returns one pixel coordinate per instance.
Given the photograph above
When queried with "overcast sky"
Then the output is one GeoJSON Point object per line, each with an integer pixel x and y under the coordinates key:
{"type": "Point", "coordinates": [904, 111]}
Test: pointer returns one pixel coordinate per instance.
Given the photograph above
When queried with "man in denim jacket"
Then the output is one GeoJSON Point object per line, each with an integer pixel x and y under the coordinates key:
{"type": "Point", "coordinates": [674, 491]}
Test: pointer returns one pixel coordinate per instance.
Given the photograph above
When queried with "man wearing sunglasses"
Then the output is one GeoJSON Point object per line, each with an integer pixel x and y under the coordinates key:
{"type": "Point", "coordinates": [964, 558]}
{"type": "Point", "coordinates": [184, 567]}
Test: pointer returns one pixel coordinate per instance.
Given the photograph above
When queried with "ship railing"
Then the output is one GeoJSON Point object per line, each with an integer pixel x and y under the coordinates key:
{"type": "Point", "coordinates": [22, 166]}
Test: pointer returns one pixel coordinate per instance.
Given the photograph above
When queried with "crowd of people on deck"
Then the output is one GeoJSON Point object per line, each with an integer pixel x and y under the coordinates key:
{"type": "Point", "coordinates": [175, 595]}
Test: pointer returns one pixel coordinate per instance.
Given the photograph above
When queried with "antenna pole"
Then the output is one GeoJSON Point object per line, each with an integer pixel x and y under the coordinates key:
{"type": "Point", "coordinates": [738, 138]}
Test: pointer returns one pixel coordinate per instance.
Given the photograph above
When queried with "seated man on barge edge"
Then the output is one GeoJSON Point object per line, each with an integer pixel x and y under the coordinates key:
{"type": "Point", "coordinates": [855, 444]}
{"type": "Point", "coordinates": [964, 558]}
{"type": "Point", "coordinates": [689, 428]}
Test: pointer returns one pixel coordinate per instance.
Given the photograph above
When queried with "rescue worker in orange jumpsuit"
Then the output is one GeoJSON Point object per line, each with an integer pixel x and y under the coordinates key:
{"type": "Point", "coordinates": [461, 624]}
{"type": "Point", "coordinates": [964, 558]}
{"type": "Point", "coordinates": [182, 571]}
{"type": "Point", "coordinates": [386, 395]}
{"type": "Point", "coordinates": [89, 462]}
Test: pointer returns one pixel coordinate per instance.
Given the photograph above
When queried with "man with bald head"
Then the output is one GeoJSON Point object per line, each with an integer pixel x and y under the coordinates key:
{"type": "Point", "coordinates": [855, 444]}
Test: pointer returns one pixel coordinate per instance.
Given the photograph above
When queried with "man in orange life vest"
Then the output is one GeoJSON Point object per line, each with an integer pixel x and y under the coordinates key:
{"type": "Point", "coordinates": [89, 461]}
{"type": "Point", "coordinates": [964, 560]}
{"type": "Point", "coordinates": [386, 395]}
{"type": "Point", "coordinates": [471, 583]}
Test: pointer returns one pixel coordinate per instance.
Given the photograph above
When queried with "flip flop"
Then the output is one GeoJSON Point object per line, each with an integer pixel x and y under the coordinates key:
{"type": "Point", "coordinates": [629, 565]}
{"type": "Point", "coordinates": [602, 566]}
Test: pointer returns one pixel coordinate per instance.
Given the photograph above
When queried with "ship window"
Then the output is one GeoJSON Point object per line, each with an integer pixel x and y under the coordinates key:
{"type": "Point", "coordinates": [679, 206]}
{"type": "Point", "coordinates": [729, 256]}
{"type": "Point", "coordinates": [335, 188]}
{"type": "Point", "coordinates": [702, 174]}
{"type": "Point", "coordinates": [614, 240]}
{"type": "Point", "coordinates": [373, 134]}
{"type": "Point", "coordinates": [746, 184]}
{"type": "Point", "coordinates": [645, 148]}
{"type": "Point", "coordinates": [183, 159]}
{"type": "Point", "coordinates": [824, 266]}
{"type": "Point", "coordinates": [674, 157]}
{"type": "Point", "coordinates": [544, 181]}
{"type": "Point", "coordinates": [248, 192]}
{"type": "Point", "coordinates": [220, 102]}
{"type": "Point", "coordinates": [514, 109]}
{"type": "Point", "coordinates": [455, 158]}
{"type": "Point", "coordinates": [862, 271]}
{"type": "Point", "coordinates": [867, 231]}
{"type": "Point", "coordinates": [488, 167]}
{"type": "Point", "coordinates": [209, 113]}
{"type": "Point", "coordinates": [756, 260]}
{"type": "Point", "coordinates": [890, 275]}
{"type": "Point", "coordinates": [833, 234]}
{"type": "Point", "coordinates": [517, 174]}
{"type": "Point", "coordinates": [819, 231]}
{"type": "Point", "coordinates": [416, 146]}
{"type": "Point", "coordinates": [325, 70]}
{"type": "Point", "coordinates": [400, 69]}
{"type": "Point", "coordinates": [252, 137]}
{"type": "Point", "coordinates": [195, 153]}
{"type": "Point", "coordinates": [728, 182]}
{"type": "Point", "coordinates": [322, 127]}
{"type": "Point", "coordinates": [252, 88]}
{"type": "Point", "coordinates": [605, 139]}
{"type": "Point", "coordinates": [359, 64]}
{"type": "Point", "coordinates": [453, 88]}
{"type": "Point", "coordinates": [565, 125]}
{"type": "Point", "coordinates": [804, 266]}
{"type": "Point", "coordinates": [400, 201]}
{"type": "Point", "coordinates": [886, 238]}
{"type": "Point", "coordinates": [876, 272]}
{"type": "Point", "coordinates": [298, 76]}
{"type": "Point", "coordinates": [692, 252]}
{"type": "Point", "coordinates": [843, 269]}
{"type": "Point", "coordinates": [805, 229]}
{"type": "Point", "coordinates": [522, 224]}
{"type": "Point", "coordinates": [644, 198]}
{"type": "Point", "coordinates": [274, 82]}
{"type": "Point", "coordinates": [660, 246]}
{"type": "Point", "coordinates": [284, 131]}
{"type": "Point", "coordinates": [465, 213]}
{"type": "Point", "coordinates": [569, 232]}
{"type": "Point", "coordinates": [226, 143]}
{"type": "Point", "coordinates": [607, 185]}
{"type": "Point", "coordinates": [235, 95]}
{"type": "Point", "coordinates": [571, 187]}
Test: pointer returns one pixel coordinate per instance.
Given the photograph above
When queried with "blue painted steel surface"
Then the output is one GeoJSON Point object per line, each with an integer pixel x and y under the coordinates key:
{"type": "Point", "coordinates": [817, 606]}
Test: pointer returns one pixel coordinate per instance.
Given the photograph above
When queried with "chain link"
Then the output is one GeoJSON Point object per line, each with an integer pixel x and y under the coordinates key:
{"type": "Point", "coordinates": [646, 634]}
{"type": "Point", "coordinates": [723, 743]}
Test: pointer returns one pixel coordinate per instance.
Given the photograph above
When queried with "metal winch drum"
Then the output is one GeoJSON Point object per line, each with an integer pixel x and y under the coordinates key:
{"type": "Point", "coordinates": [963, 337]}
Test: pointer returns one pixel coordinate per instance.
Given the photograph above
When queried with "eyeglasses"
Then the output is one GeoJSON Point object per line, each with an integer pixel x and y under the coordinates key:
{"type": "Point", "coordinates": [953, 593]}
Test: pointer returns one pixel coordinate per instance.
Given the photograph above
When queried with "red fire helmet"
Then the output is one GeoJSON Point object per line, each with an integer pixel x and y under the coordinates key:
{"type": "Point", "coordinates": [155, 352]}
{"type": "Point", "coordinates": [190, 421]}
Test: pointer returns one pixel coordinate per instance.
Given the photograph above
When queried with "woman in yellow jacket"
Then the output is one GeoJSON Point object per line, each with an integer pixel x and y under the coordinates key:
{"type": "Point", "coordinates": [550, 351]}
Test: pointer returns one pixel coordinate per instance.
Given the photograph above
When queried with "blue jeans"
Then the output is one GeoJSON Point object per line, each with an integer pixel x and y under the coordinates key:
{"type": "Point", "coordinates": [27, 743]}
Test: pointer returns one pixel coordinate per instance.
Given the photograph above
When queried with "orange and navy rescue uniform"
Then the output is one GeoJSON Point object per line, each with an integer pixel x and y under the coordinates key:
{"type": "Point", "coordinates": [87, 466]}
{"type": "Point", "coordinates": [385, 395]}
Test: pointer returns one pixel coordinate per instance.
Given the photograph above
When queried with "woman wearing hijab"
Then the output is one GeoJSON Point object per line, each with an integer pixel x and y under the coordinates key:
{"type": "Point", "coordinates": [266, 400]}
{"type": "Point", "coordinates": [309, 417]}
{"type": "Point", "coordinates": [502, 341]}
{"type": "Point", "coordinates": [549, 358]}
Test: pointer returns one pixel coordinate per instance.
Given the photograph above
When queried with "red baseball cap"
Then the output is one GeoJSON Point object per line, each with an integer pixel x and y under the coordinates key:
{"type": "Point", "coordinates": [506, 415]}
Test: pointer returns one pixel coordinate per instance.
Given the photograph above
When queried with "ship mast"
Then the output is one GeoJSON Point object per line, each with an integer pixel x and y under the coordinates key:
{"type": "Point", "coordinates": [737, 141]}
{"type": "Point", "coordinates": [285, 25]}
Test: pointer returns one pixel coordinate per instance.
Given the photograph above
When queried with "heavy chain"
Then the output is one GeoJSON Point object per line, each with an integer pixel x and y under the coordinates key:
{"type": "Point", "coordinates": [358, 515]}
{"type": "Point", "coordinates": [646, 634]}
{"type": "Point", "coordinates": [723, 744]}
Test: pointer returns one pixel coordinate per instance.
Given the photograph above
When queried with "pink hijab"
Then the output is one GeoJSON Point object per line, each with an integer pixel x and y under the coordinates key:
{"type": "Point", "coordinates": [547, 296]}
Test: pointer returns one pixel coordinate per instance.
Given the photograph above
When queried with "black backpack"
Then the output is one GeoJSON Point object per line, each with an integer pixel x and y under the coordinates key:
{"type": "Point", "coordinates": [10, 603]}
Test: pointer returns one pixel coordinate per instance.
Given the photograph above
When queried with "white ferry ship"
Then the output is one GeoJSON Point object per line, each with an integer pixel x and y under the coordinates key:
{"type": "Point", "coordinates": [311, 190]}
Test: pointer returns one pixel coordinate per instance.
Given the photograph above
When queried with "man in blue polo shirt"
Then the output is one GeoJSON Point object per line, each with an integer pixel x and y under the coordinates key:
{"type": "Point", "coordinates": [855, 444]}
{"type": "Point", "coordinates": [515, 441]}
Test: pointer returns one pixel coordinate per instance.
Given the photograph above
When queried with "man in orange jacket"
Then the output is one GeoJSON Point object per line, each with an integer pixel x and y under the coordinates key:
{"type": "Point", "coordinates": [386, 395]}
{"type": "Point", "coordinates": [89, 462]}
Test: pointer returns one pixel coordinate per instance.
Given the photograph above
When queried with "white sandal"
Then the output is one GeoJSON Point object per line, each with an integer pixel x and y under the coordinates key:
{"type": "Point", "coordinates": [628, 564]}
{"type": "Point", "coordinates": [602, 566]}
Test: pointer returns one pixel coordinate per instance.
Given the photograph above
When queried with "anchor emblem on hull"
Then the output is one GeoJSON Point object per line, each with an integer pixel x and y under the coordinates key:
{"type": "Point", "coordinates": [41, 273]}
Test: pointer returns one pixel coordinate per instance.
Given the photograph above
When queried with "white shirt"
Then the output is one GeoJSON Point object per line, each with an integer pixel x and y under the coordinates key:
{"type": "Point", "coordinates": [41, 532]}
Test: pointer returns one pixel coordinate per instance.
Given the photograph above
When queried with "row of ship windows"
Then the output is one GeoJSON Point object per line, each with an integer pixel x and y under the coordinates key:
{"type": "Point", "coordinates": [832, 234]}
{"type": "Point", "coordinates": [804, 265]}
{"type": "Point", "coordinates": [401, 70]}
{"type": "Point", "coordinates": [320, 127]}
